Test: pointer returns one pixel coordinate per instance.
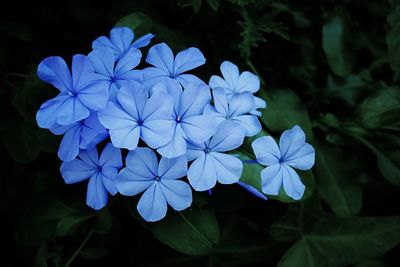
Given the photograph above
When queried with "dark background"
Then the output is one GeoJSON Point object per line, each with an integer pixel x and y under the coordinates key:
{"type": "Point", "coordinates": [332, 67]}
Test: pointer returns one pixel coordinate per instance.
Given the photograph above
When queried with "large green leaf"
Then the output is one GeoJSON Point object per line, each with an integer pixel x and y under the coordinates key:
{"type": "Point", "coordinates": [194, 231]}
{"type": "Point", "coordinates": [284, 110]}
{"type": "Point", "coordinates": [336, 184]}
{"type": "Point", "coordinates": [139, 22]}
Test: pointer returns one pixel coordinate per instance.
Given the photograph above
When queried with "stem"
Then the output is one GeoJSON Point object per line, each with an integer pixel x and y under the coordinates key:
{"type": "Point", "coordinates": [19, 75]}
{"type": "Point", "coordinates": [79, 248]}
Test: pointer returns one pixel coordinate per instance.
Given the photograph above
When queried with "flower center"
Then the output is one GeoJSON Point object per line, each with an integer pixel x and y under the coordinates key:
{"type": "Point", "coordinates": [207, 150]}
{"type": "Point", "coordinates": [140, 122]}
{"type": "Point", "coordinates": [113, 78]}
{"type": "Point", "coordinates": [71, 93]}
{"type": "Point", "coordinates": [157, 178]}
{"type": "Point", "coordinates": [178, 119]}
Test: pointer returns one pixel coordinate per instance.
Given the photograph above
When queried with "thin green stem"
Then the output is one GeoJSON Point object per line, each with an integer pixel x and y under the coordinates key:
{"type": "Point", "coordinates": [19, 75]}
{"type": "Point", "coordinates": [79, 248]}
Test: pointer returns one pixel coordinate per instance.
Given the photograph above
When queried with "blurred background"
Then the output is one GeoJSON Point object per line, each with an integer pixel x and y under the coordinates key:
{"type": "Point", "coordinates": [332, 67]}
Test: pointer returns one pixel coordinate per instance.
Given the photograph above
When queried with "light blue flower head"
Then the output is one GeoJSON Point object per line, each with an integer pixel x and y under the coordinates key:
{"type": "Point", "coordinates": [293, 152]}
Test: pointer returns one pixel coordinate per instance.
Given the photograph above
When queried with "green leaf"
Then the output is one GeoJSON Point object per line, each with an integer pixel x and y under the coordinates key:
{"type": "Point", "coordinates": [380, 109]}
{"type": "Point", "coordinates": [393, 40]}
{"type": "Point", "coordinates": [41, 257]}
{"type": "Point", "coordinates": [194, 231]}
{"type": "Point", "coordinates": [334, 38]}
{"type": "Point", "coordinates": [94, 253]}
{"type": "Point", "coordinates": [195, 4]}
{"type": "Point", "coordinates": [284, 110]}
{"type": "Point", "coordinates": [71, 223]}
{"type": "Point", "coordinates": [139, 23]}
{"type": "Point", "coordinates": [335, 182]}
{"type": "Point", "coordinates": [103, 222]}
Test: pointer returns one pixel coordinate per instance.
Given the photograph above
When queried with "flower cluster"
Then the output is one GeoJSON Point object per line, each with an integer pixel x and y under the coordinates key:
{"type": "Point", "coordinates": [171, 123]}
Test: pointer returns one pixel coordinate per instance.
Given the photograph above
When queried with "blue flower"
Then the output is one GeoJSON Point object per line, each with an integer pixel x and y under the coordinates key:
{"type": "Point", "coordinates": [116, 72]}
{"type": "Point", "coordinates": [135, 116]}
{"type": "Point", "coordinates": [165, 65]}
{"type": "Point", "coordinates": [189, 123]}
{"type": "Point", "coordinates": [235, 82]}
{"type": "Point", "coordinates": [237, 109]}
{"type": "Point", "coordinates": [84, 134]}
{"type": "Point", "coordinates": [210, 164]}
{"type": "Point", "coordinates": [121, 40]}
{"type": "Point", "coordinates": [158, 181]}
{"type": "Point", "coordinates": [101, 173]}
{"type": "Point", "coordinates": [252, 190]}
{"type": "Point", "coordinates": [293, 152]}
{"type": "Point", "coordinates": [79, 94]}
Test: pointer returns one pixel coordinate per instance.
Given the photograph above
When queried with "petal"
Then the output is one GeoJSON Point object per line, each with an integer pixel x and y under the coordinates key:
{"type": "Point", "coordinates": [152, 76]}
{"type": "Point", "coordinates": [108, 178]}
{"type": "Point", "coordinates": [177, 193]}
{"type": "Point", "coordinates": [292, 184]}
{"type": "Point", "coordinates": [157, 133]}
{"type": "Point", "coordinates": [76, 171]}
{"type": "Point", "coordinates": [69, 146]}
{"type": "Point", "coordinates": [130, 183]}
{"type": "Point", "coordinates": [248, 82]}
{"type": "Point", "coordinates": [46, 117]}
{"type": "Point", "coordinates": [90, 156]}
{"type": "Point", "coordinates": [129, 60]}
{"type": "Point", "coordinates": [55, 71]}
{"type": "Point", "coordinates": [172, 168]}
{"type": "Point", "coordinates": [229, 136]}
{"type": "Point", "coordinates": [250, 123]}
{"type": "Point", "coordinates": [291, 142]}
{"type": "Point", "coordinates": [103, 60]}
{"type": "Point", "coordinates": [199, 128]}
{"type": "Point", "coordinates": [202, 174]}
{"type": "Point", "coordinates": [302, 159]}
{"type": "Point", "coordinates": [195, 151]}
{"type": "Point", "coordinates": [161, 56]}
{"type": "Point", "coordinates": [132, 75]}
{"type": "Point", "coordinates": [271, 179]}
{"type": "Point", "coordinates": [110, 157]}
{"type": "Point", "coordinates": [158, 107]}
{"type": "Point", "coordinates": [228, 167]}
{"type": "Point", "coordinates": [93, 132]}
{"type": "Point", "coordinates": [176, 147]}
{"type": "Point", "coordinates": [221, 101]}
{"type": "Point", "coordinates": [82, 72]}
{"type": "Point", "coordinates": [193, 100]}
{"type": "Point", "coordinates": [103, 42]}
{"type": "Point", "coordinates": [172, 88]}
{"type": "Point", "coordinates": [127, 138]}
{"type": "Point", "coordinates": [266, 150]}
{"type": "Point", "coordinates": [186, 79]}
{"type": "Point", "coordinates": [62, 129]}
{"type": "Point", "coordinates": [132, 98]}
{"type": "Point", "coordinates": [241, 103]}
{"type": "Point", "coordinates": [122, 38]}
{"type": "Point", "coordinates": [143, 161]}
{"type": "Point", "coordinates": [95, 96]}
{"type": "Point", "coordinates": [217, 117]}
{"type": "Point", "coordinates": [252, 190]}
{"type": "Point", "coordinates": [72, 111]}
{"type": "Point", "coordinates": [217, 82]}
{"type": "Point", "coordinates": [188, 59]}
{"type": "Point", "coordinates": [97, 195]}
{"type": "Point", "coordinates": [113, 116]}
{"type": "Point", "coordinates": [152, 205]}
{"type": "Point", "coordinates": [143, 41]}
{"type": "Point", "coordinates": [230, 72]}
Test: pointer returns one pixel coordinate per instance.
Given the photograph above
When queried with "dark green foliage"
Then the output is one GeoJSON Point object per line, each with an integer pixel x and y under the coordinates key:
{"type": "Point", "coordinates": [332, 67]}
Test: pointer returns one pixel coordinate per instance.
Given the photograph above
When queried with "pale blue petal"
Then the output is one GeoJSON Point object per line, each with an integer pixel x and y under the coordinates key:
{"type": "Point", "coordinates": [230, 72]}
{"type": "Point", "coordinates": [172, 168]}
{"type": "Point", "coordinates": [228, 168]}
{"type": "Point", "coordinates": [292, 184]}
{"type": "Point", "coordinates": [143, 161]}
{"type": "Point", "coordinates": [217, 117]}
{"type": "Point", "coordinates": [177, 193]}
{"type": "Point", "coordinates": [250, 123]}
{"type": "Point", "coordinates": [271, 179]}
{"type": "Point", "coordinates": [248, 82]}
{"type": "Point", "coordinates": [133, 75]}
{"type": "Point", "coordinates": [93, 132]}
{"type": "Point", "coordinates": [128, 61]}
{"type": "Point", "coordinates": [176, 147]}
{"type": "Point", "coordinates": [110, 157]}
{"type": "Point", "coordinates": [76, 171]}
{"type": "Point", "coordinates": [157, 133]}
{"type": "Point", "coordinates": [202, 174]}
{"type": "Point", "coordinates": [218, 82]}
{"type": "Point", "coordinates": [229, 136]}
{"type": "Point", "coordinates": [62, 129]}
{"type": "Point", "coordinates": [252, 190]}
{"type": "Point", "coordinates": [108, 177]}
{"type": "Point", "coordinates": [122, 38]}
{"type": "Point", "coordinates": [199, 128]}
{"type": "Point", "coordinates": [195, 151]}
{"type": "Point", "coordinates": [90, 156]}
{"type": "Point", "coordinates": [221, 101]}
{"type": "Point", "coordinates": [103, 61]}
{"type": "Point", "coordinates": [69, 146]}
{"type": "Point", "coordinates": [102, 42]}
{"type": "Point", "coordinates": [302, 159]}
{"type": "Point", "coordinates": [152, 205]}
{"type": "Point", "coordinates": [95, 96]}
{"type": "Point", "coordinates": [55, 71]}
{"type": "Point", "coordinates": [127, 138]}
{"type": "Point", "coordinates": [97, 195]}
{"type": "Point", "coordinates": [161, 56]}
{"type": "Point", "coordinates": [46, 117]}
{"type": "Point", "coordinates": [143, 41]}
{"type": "Point", "coordinates": [241, 103]}
{"type": "Point", "coordinates": [152, 76]}
{"type": "Point", "coordinates": [193, 100]}
{"type": "Point", "coordinates": [186, 79]}
{"type": "Point", "coordinates": [113, 91]}
{"type": "Point", "coordinates": [266, 150]}
{"type": "Point", "coordinates": [158, 107]}
{"type": "Point", "coordinates": [132, 98]}
{"type": "Point", "coordinates": [82, 72]}
{"type": "Point", "coordinates": [171, 87]}
{"type": "Point", "coordinates": [130, 183]}
{"type": "Point", "coordinates": [114, 117]}
{"type": "Point", "coordinates": [291, 140]}
{"type": "Point", "coordinates": [72, 111]}
{"type": "Point", "coordinates": [188, 59]}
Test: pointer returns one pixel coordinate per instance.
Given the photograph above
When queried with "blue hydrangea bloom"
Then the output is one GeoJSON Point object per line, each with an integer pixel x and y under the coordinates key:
{"type": "Point", "coordinates": [121, 40]}
{"type": "Point", "coordinates": [136, 115]}
{"type": "Point", "coordinates": [158, 181]}
{"type": "Point", "coordinates": [166, 65]}
{"type": "Point", "coordinates": [101, 173]}
{"type": "Point", "coordinates": [210, 163]}
{"type": "Point", "coordinates": [252, 190]}
{"type": "Point", "coordinates": [237, 109]}
{"type": "Point", "coordinates": [80, 93]}
{"type": "Point", "coordinates": [232, 81]}
{"type": "Point", "coordinates": [84, 134]}
{"type": "Point", "coordinates": [293, 152]}
{"type": "Point", "coordinates": [190, 125]}
{"type": "Point", "coordinates": [116, 72]}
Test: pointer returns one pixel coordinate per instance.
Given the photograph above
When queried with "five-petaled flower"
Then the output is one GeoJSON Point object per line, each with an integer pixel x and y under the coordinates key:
{"type": "Point", "coordinates": [101, 173]}
{"type": "Point", "coordinates": [158, 181]}
{"type": "Point", "coordinates": [293, 152]}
